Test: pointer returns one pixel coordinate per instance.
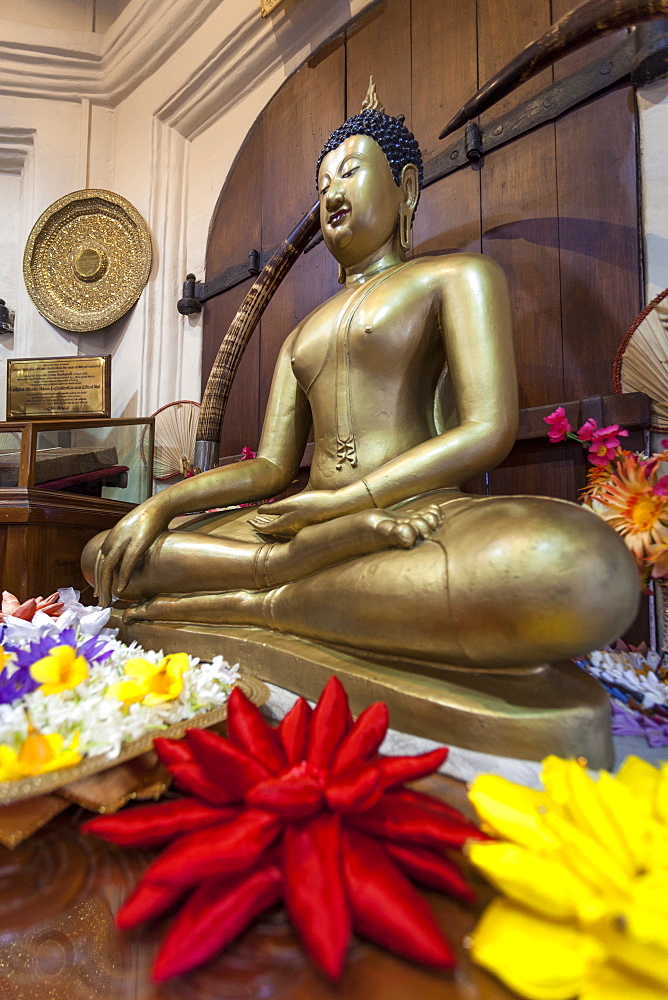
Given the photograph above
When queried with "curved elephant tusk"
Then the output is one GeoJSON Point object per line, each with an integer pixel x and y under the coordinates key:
{"type": "Point", "coordinates": [588, 21]}
{"type": "Point", "coordinates": [238, 335]}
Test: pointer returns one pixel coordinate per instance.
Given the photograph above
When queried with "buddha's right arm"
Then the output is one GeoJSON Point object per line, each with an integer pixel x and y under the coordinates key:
{"type": "Point", "coordinates": [281, 447]}
{"type": "Point", "coordinates": [283, 441]}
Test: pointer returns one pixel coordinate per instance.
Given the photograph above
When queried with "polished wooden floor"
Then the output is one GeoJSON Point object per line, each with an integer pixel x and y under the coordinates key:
{"type": "Point", "coordinates": [59, 892]}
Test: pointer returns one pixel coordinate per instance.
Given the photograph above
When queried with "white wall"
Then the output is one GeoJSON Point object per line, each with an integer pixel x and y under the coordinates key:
{"type": "Point", "coordinates": [73, 15]}
{"type": "Point", "coordinates": [653, 109]}
{"type": "Point", "coordinates": [155, 108]}
{"type": "Point", "coordinates": [153, 99]}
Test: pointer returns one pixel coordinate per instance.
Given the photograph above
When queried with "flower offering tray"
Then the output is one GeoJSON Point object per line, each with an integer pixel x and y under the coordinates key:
{"type": "Point", "coordinates": [51, 781]}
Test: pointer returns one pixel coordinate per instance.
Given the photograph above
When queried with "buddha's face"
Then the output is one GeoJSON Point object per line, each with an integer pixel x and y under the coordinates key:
{"type": "Point", "coordinates": [359, 201]}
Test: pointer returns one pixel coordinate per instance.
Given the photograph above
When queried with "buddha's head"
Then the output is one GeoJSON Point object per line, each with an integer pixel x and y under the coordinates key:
{"type": "Point", "coordinates": [369, 176]}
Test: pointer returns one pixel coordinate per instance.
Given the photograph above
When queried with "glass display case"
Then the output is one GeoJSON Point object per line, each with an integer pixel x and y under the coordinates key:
{"type": "Point", "coordinates": [62, 482]}
{"type": "Point", "coordinates": [107, 458]}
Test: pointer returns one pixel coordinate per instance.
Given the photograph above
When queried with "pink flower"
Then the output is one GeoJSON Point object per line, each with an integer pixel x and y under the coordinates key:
{"type": "Point", "coordinates": [587, 430]}
{"type": "Point", "coordinates": [602, 441]}
{"type": "Point", "coordinates": [661, 487]}
{"type": "Point", "coordinates": [559, 425]}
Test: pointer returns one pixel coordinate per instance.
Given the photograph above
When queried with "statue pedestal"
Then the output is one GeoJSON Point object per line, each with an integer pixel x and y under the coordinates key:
{"type": "Point", "coordinates": [526, 713]}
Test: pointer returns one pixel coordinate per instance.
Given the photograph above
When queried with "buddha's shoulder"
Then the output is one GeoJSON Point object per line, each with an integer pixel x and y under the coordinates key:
{"type": "Point", "coordinates": [445, 267]}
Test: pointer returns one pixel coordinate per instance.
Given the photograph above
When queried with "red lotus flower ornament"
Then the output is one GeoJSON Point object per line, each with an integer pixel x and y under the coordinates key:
{"type": "Point", "coordinates": [11, 605]}
{"type": "Point", "coordinates": [307, 813]}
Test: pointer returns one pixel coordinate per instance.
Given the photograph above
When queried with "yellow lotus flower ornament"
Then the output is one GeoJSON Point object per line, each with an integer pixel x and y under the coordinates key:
{"type": "Point", "coordinates": [583, 867]}
{"type": "Point", "coordinates": [38, 754]}
{"type": "Point", "coordinates": [152, 683]}
{"type": "Point", "coordinates": [60, 670]}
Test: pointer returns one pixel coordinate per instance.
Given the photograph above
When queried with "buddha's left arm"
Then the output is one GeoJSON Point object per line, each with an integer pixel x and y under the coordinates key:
{"type": "Point", "coordinates": [475, 319]}
{"type": "Point", "coordinates": [476, 322]}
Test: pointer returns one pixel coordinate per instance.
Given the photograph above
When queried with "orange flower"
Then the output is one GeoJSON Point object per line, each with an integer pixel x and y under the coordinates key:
{"type": "Point", "coordinates": [657, 558]}
{"type": "Point", "coordinates": [627, 499]}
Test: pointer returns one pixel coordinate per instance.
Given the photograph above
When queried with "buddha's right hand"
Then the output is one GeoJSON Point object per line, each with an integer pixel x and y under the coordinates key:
{"type": "Point", "coordinates": [124, 546]}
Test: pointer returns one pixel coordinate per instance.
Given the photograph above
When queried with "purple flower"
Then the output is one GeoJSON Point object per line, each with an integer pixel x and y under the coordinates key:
{"type": "Point", "coordinates": [35, 651]}
{"type": "Point", "coordinates": [19, 684]}
{"type": "Point", "coordinates": [95, 649]}
{"type": "Point", "coordinates": [626, 722]}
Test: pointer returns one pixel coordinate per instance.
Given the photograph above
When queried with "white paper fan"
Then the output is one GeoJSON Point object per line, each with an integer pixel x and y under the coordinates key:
{"type": "Point", "coordinates": [174, 443]}
{"type": "Point", "coordinates": [641, 362]}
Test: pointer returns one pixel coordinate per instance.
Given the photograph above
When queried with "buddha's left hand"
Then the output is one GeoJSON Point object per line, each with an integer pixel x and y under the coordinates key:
{"type": "Point", "coordinates": [285, 518]}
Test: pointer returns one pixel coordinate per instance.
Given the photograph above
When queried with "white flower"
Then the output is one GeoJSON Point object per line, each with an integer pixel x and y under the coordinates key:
{"type": "Point", "coordinates": [103, 722]}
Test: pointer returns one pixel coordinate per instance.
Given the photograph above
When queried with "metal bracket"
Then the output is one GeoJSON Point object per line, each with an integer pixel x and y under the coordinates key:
{"type": "Point", "coordinates": [196, 292]}
{"type": "Point", "coordinates": [640, 59]}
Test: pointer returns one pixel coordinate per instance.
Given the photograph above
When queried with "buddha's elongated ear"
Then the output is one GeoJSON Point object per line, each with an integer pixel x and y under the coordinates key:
{"type": "Point", "coordinates": [410, 185]}
{"type": "Point", "coordinates": [410, 189]}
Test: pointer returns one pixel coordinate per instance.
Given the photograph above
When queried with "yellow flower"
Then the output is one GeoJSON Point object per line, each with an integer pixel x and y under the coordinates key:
{"type": "Point", "coordinates": [9, 764]}
{"type": "Point", "coordinates": [59, 670]}
{"type": "Point", "coordinates": [152, 683]}
{"type": "Point", "coordinates": [39, 753]}
{"type": "Point", "coordinates": [584, 869]}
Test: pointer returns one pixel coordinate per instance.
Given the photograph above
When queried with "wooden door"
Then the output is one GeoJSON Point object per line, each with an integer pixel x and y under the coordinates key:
{"type": "Point", "coordinates": [557, 208]}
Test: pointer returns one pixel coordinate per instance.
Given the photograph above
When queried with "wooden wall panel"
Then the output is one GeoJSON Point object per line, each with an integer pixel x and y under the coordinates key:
{"type": "Point", "coordinates": [504, 28]}
{"type": "Point", "coordinates": [520, 229]}
{"type": "Point", "coordinates": [598, 236]}
{"type": "Point", "coordinates": [444, 67]}
{"type": "Point", "coordinates": [519, 204]}
{"type": "Point", "coordinates": [591, 51]}
{"type": "Point", "coordinates": [237, 219]}
{"type": "Point", "coordinates": [380, 46]}
{"type": "Point", "coordinates": [444, 75]}
{"type": "Point", "coordinates": [540, 468]}
{"type": "Point", "coordinates": [236, 229]}
{"type": "Point", "coordinates": [297, 124]}
{"type": "Point", "coordinates": [598, 231]}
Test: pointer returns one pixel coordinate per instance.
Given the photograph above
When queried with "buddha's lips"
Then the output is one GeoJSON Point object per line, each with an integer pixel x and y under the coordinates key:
{"type": "Point", "coordinates": [338, 217]}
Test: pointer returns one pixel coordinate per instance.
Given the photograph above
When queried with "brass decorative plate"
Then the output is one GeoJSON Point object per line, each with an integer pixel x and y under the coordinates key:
{"type": "Point", "coordinates": [87, 260]}
{"type": "Point", "coordinates": [42, 784]}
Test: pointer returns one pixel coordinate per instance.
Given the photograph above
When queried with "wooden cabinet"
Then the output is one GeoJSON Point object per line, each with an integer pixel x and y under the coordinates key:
{"type": "Point", "coordinates": [63, 482]}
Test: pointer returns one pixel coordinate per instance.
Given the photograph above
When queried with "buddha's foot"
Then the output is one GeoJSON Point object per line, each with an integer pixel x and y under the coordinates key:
{"type": "Point", "coordinates": [404, 532]}
{"type": "Point", "coordinates": [232, 608]}
{"type": "Point", "coordinates": [319, 546]}
{"type": "Point", "coordinates": [137, 613]}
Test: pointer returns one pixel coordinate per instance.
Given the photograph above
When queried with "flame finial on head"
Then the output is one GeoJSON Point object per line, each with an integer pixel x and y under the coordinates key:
{"type": "Point", "coordinates": [371, 102]}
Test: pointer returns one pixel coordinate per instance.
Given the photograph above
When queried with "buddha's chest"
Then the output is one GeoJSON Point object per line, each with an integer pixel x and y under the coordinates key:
{"type": "Point", "coordinates": [383, 332]}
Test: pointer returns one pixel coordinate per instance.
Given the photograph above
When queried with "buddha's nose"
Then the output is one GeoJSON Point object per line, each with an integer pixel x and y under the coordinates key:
{"type": "Point", "coordinates": [334, 198]}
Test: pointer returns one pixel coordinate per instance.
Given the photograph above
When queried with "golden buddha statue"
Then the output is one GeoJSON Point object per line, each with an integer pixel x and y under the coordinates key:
{"type": "Point", "coordinates": [407, 375]}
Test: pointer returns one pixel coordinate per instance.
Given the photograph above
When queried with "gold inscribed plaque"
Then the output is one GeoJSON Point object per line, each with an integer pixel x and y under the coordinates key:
{"type": "Point", "coordinates": [39, 388]}
{"type": "Point", "coordinates": [268, 6]}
